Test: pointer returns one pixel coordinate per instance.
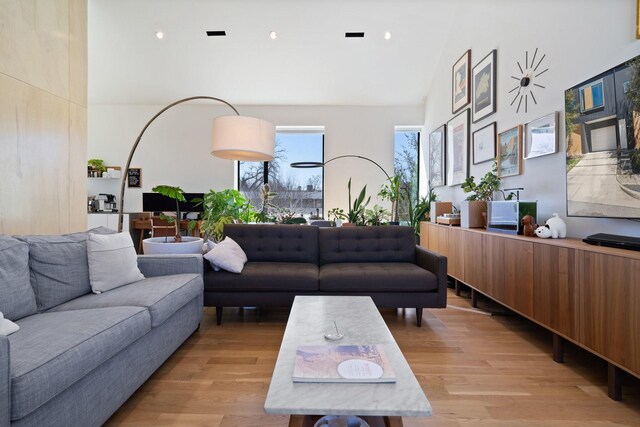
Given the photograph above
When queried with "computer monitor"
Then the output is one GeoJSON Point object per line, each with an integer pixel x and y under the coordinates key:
{"type": "Point", "coordinates": [154, 202]}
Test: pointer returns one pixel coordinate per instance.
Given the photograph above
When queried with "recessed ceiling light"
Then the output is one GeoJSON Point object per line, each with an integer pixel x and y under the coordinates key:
{"type": "Point", "coordinates": [159, 35]}
{"type": "Point", "coordinates": [353, 34]}
{"type": "Point", "coordinates": [387, 35]}
{"type": "Point", "coordinates": [273, 35]}
{"type": "Point", "coordinates": [216, 33]}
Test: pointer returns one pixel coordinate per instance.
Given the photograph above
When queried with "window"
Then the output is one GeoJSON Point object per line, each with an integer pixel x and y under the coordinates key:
{"type": "Point", "coordinates": [299, 192]}
{"type": "Point", "coordinates": [405, 164]}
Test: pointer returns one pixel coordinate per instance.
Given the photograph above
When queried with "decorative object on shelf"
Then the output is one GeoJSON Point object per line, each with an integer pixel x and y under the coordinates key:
{"type": "Point", "coordinates": [555, 227]}
{"type": "Point", "coordinates": [474, 208]}
{"type": "Point", "coordinates": [232, 137]}
{"type": "Point", "coordinates": [541, 136]}
{"type": "Point", "coordinates": [509, 153]}
{"type": "Point", "coordinates": [134, 178]}
{"type": "Point", "coordinates": [437, 147]}
{"type": "Point", "coordinates": [529, 226]}
{"type": "Point", "coordinates": [461, 89]}
{"type": "Point", "coordinates": [95, 168]}
{"type": "Point", "coordinates": [484, 144]}
{"type": "Point", "coordinates": [439, 209]}
{"type": "Point", "coordinates": [484, 87]}
{"type": "Point", "coordinates": [457, 148]}
{"type": "Point", "coordinates": [527, 79]}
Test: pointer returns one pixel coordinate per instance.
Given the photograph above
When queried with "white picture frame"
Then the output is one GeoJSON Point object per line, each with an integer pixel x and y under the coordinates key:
{"type": "Point", "coordinates": [458, 148]}
{"type": "Point", "coordinates": [484, 144]}
{"type": "Point", "coordinates": [541, 136]}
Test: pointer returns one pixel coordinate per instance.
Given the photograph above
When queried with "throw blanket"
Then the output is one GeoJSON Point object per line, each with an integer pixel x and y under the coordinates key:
{"type": "Point", "coordinates": [7, 327]}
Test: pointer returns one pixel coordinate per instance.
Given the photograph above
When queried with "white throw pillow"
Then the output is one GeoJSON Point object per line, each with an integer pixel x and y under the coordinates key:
{"type": "Point", "coordinates": [113, 261]}
{"type": "Point", "coordinates": [227, 255]}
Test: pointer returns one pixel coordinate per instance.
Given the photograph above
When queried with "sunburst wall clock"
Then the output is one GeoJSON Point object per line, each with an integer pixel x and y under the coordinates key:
{"type": "Point", "coordinates": [529, 81]}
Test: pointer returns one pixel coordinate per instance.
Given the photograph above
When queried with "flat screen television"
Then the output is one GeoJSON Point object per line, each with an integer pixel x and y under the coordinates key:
{"type": "Point", "coordinates": [154, 202]}
{"type": "Point", "coordinates": [602, 134]}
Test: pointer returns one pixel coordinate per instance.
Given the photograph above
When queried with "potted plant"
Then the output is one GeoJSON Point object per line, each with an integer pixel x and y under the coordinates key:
{"type": "Point", "coordinates": [376, 215]}
{"type": "Point", "coordinates": [178, 243]}
{"type": "Point", "coordinates": [220, 208]}
{"type": "Point", "coordinates": [421, 210]}
{"type": "Point", "coordinates": [355, 216]}
{"type": "Point", "coordinates": [392, 191]}
{"type": "Point", "coordinates": [473, 210]}
{"type": "Point", "coordinates": [266, 195]}
{"type": "Point", "coordinates": [96, 167]}
{"type": "Point", "coordinates": [338, 216]}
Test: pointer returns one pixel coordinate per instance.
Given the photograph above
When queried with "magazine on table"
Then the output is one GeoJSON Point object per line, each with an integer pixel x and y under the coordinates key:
{"type": "Point", "coordinates": [343, 364]}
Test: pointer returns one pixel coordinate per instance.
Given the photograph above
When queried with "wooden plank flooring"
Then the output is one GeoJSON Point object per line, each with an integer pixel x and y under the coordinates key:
{"type": "Point", "coordinates": [476, 370]}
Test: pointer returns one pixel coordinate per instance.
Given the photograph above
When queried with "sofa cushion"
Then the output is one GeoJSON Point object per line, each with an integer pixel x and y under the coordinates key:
{"type": "Point", "coordinates": [376, 277]}
{"type": "Point", "coordinates": [265, 276]}
{"type": "Point", "coordinates": [59, 266]}
{"type": "Point", "coordinates": [16, 295]}
{"type": "Point", "coordinates": [276, 243]}
{"type": "Point", "coordinates": [54, 350]}
{"type": "Point", "coordinates": [162, 295]}
{"type": "Point", "coordinates": [367, 244]}
{"type": "Point", "coordinates": [112, 261]}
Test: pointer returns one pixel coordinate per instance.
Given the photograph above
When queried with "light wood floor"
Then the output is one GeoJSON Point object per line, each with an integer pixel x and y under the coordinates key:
{"type": "Point", "coordinates": [476, 370]}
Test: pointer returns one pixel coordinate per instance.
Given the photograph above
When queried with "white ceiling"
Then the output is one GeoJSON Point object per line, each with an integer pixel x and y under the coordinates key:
{"type": "Point", "coordinates": [310, 63]}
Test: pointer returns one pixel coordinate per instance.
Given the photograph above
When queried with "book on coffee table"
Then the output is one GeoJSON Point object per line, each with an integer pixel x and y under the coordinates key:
{"type": "Point", "coordinates": [342, 364]}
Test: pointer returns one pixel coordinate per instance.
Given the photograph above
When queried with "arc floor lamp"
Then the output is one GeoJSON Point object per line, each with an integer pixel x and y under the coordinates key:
{"type": "Point", "coordinates": [308, 165]}
{"type": "Point", "coordinates": [232, 137]}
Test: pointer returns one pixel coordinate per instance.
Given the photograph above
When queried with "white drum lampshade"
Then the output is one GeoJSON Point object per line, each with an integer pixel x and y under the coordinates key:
{"type": "Point", "coordinates": [243, 138]}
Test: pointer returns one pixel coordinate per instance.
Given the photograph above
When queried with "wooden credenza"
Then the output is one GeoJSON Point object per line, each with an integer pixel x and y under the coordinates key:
{"type": "Point", "coordinates": [589, 295]}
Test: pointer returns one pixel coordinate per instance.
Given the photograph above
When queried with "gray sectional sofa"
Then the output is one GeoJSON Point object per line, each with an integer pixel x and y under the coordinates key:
{"type": "Point", "coordinates": [78, 356]}
{"type": "Point", "coordinates": [288, 260]}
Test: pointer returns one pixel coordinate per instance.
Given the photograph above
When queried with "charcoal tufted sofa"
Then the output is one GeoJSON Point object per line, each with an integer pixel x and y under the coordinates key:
{"type": "Point", "coordinates": [288, 260]}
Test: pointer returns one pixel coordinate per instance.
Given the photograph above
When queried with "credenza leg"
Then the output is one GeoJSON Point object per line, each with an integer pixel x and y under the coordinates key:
{"type": "Point", "coordinates": [615, 382]}
{"type": "Point", "coordinates": [558, 348]}
{"type": "Point", "coordinates": [456, 285]}
{"type": "Point", "coordinates": [474, 298]}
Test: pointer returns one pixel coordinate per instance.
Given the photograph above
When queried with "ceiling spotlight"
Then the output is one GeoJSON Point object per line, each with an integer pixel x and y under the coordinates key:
{"type": "Point", "coordinates": [387, 35]}
{"type": "Point", "coordinates": [273, 35]}
{"type": "Point", "coordinates": [159, 35]}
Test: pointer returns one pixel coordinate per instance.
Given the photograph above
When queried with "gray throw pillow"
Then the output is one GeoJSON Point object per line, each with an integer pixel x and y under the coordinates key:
{"type": "Point", "coordinates": [16, 295]}
{"type": "Point", "coordinates": [113, 261]}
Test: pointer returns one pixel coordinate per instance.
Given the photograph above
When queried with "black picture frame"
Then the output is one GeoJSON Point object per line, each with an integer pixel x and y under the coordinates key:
{"type": "Point", "coordinates": [134, 178]}
{"type": "Point", "coordinates": [484, 80]}
{"type": "Point", "coordinates": [437, 157]}
{"type": "Point", "coordinates": [461, 82]}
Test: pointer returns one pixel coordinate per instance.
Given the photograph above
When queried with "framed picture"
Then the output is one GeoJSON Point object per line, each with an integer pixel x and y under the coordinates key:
{"type": "Point", "coordinates": [509, 154]}
{"type": "Point", "coordinates": [484, 144]}
{"type": "Point", "coordinates": [484, 87]}
{"type": "Point", "coordinates": [134, 178]}
{"type": "Point", "coordinates": [541, 136]}
{"type": "Point", "coordinates": [458, 148]}
{"type": "Point", "coordinates": [461, 89]}
{"type": "Point", "coordinates": [437, 144]}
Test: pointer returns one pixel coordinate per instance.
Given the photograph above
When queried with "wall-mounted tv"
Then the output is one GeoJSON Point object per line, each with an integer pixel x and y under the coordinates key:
{"type": "Point", "coordinates": [154, 202]}
{"type": "Point", "coordinates": [602, 131]}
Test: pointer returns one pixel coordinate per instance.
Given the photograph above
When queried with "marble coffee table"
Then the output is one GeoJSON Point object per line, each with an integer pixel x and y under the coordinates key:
{"type": "Point", "coordinates": [359, 320]}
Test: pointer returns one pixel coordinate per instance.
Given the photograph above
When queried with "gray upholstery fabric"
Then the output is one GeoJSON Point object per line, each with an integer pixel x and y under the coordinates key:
{"type": "Point", "coordinates": [59, 266]}
{"type": "Point", "coordinates": [91, 400]}
{"type": "Point", "coordinates": [16, 295]}
{"type": "Point", "coordinates": [265, 276]}
{"type": "Point", "coordinates": [51, 351]}
{"type": "Point", "coordinates": [163, 265]}
{"type": "Point", "coordinates": [372, 277]}
{"type": "Point", "coordinates": [280, 243]}
{"type": "Point", "coordinates": [5, 381]}
{"type": "Point", "coordinates": [367, 244]}
{"type": "Point", "coordinates": [162, 295]}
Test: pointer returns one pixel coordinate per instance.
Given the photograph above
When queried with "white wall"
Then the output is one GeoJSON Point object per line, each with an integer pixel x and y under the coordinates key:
{"type": "Point", "coordinates": [175, 148]}
{"type": "Point", "coordinates": [581, 38]}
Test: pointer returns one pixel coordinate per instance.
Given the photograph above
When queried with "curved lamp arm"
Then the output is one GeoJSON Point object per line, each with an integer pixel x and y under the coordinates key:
{"type": "Point", "coordinates": [321, 164]}
{"type": "Point", "coordinates": [135, 145]}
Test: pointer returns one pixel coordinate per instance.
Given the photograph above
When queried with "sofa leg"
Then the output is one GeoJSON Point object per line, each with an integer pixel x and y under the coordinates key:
{"type": "Point", "coordinates": [419, 316]}
{"type": "Point", "coordinates": [218, 314]}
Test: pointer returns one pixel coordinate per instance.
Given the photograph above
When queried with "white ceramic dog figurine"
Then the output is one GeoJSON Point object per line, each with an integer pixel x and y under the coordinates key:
{"type": "Point", "coordinates": [555, 228]}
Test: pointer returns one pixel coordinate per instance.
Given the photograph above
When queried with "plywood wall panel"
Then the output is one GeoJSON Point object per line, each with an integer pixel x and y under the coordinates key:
{"type": "Point", "coordinates": [78, 168]}
{"type": "Point", "coordinates": [34, 159]}
{"type": "Point", "coordinates": [34, 43]}
{"type": "Point", "coordinates": [78, 52]}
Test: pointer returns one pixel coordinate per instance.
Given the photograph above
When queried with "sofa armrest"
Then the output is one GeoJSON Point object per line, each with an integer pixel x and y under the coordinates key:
{"type": "Point", "coordinates": [164, 265]}
{"type": "Point", "coordinates": [437, 264]}
{"type": "Point", "coordinates": [5, 382]}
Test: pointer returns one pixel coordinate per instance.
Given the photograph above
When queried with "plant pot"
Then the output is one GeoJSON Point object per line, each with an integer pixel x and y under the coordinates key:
{"type": "Point", "coordinates": [348, 224]}
{"type": "Point", "coordinates": [167, 245]}
{"type": "Point", "coordinates": [394, 222]}
{"type": "Point", "coordinates": [471, 214]}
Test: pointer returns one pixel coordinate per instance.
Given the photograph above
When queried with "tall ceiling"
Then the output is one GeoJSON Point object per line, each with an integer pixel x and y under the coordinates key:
{"type": "Point", "coordinates": [309, 63]}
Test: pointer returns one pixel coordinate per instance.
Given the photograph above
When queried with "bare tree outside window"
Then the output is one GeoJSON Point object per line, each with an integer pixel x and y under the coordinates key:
{"type": "Point", "coordinates": [299, 192]}
{"type": "Point", "coordinates": [405, 165]}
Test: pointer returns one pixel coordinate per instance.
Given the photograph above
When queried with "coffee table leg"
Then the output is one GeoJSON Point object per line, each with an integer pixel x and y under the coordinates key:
{"type": "Point", "coordinates": [310, 420]}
